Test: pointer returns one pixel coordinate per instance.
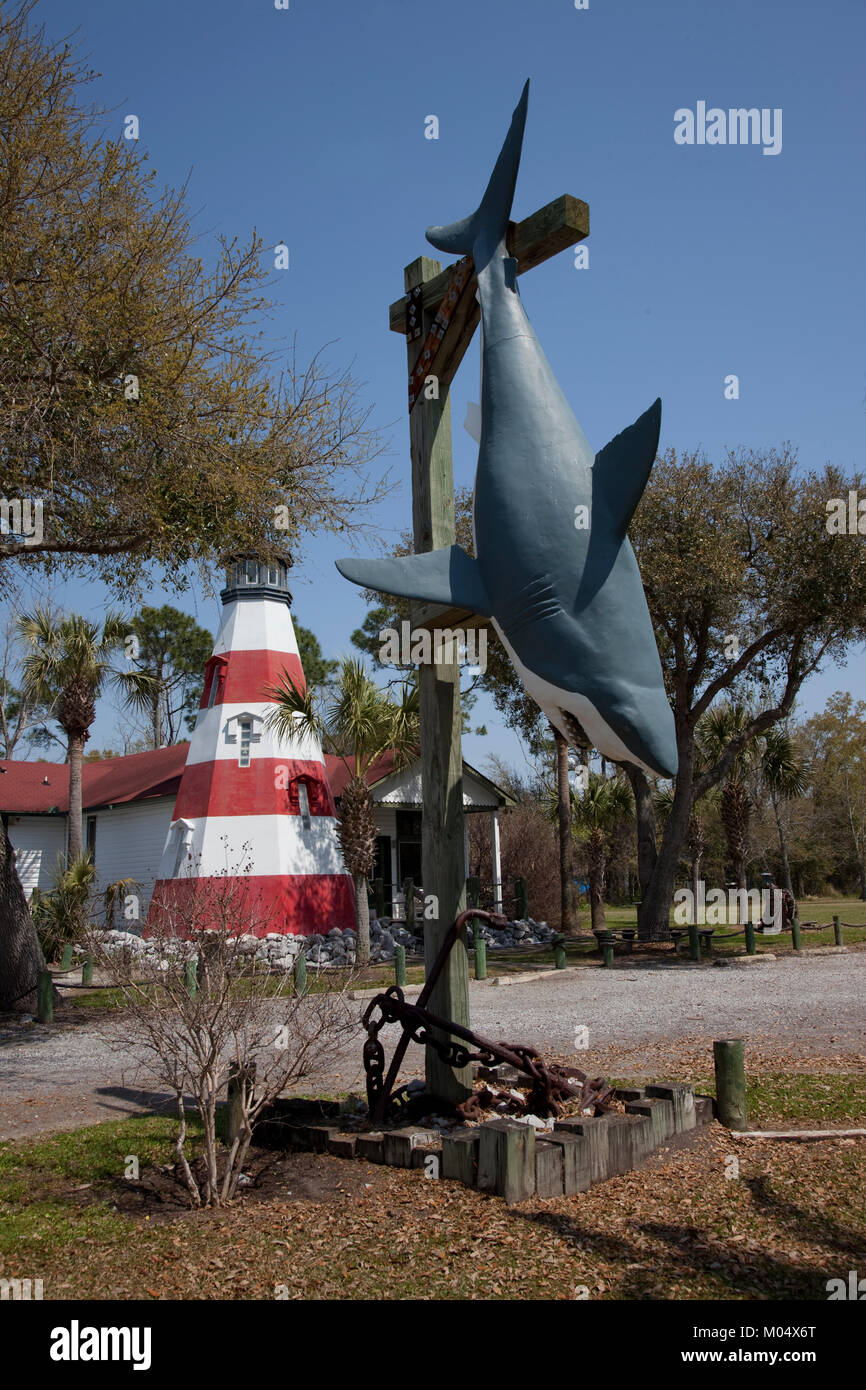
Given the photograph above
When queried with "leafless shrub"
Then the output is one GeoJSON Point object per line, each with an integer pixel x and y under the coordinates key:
{"type": "Point", "coordinates": [202, 1008]}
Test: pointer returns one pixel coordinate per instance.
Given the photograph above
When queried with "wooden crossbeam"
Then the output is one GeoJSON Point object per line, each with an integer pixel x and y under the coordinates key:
{"type": "Point", "coordinates": [438, 615]}
{"type": "Point", "coordinates": [552, 229]}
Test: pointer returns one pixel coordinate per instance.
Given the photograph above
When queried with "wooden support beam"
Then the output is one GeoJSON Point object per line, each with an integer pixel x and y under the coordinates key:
{"type": "Point", "coordinates": [442, 865]}
{"type": "Point", "coordinates": [552, 229]}
{"type": "Point", "coordinates": [433, 615]}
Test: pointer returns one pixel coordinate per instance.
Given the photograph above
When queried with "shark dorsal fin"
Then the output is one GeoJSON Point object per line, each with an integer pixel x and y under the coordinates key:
{"type": "Point", "coordinates": [622, 468]}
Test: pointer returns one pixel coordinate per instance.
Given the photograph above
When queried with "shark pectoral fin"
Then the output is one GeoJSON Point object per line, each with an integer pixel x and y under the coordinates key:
{"type": "Point", "coordinates": [472, 423]}
{"type": "Point", "coordinates": [438, 576]}
{"type": "Point", "coordinates": [622, 468]}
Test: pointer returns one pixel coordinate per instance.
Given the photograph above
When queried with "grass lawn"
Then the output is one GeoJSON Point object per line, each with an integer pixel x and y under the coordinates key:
{"type": "Point", "coordinates": [328, 1228]}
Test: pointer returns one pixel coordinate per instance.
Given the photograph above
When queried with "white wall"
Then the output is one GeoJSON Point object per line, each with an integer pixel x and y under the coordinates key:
{"type": "Point", "coordinates": [129, 844]}
{"type": "Point", "coordinates": [38, 841]}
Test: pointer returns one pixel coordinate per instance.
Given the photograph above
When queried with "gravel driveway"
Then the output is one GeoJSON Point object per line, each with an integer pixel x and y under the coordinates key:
{"type": "Point", "coordinates": [655, 1019]}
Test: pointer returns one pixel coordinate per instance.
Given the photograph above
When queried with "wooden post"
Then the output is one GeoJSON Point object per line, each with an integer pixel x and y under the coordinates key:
{"type": "Point", "coordinates": [379, 893]}
{"type": "Point", "coordinates": [521, 898]}
{"type": "Point", "coordinates": [300, 972]}
{"type": "Point", "coordinates": [87, 971]}
{"type": "Point", "coordinates": [409, 893]}
{"type": "Point", "coordinates": [837, 931]}
{"type": "Point", "coordinates": [559, 958]}
{"type": "Point", "coordinates": [66, 959]}
{"type": "Point", "coordinates": [750, 938]}
{"type": "Point", "coordinates": [442, 842]}
{"type": "Point", "coordinates": [45, 997]}
{"type": "Point", "coordinates": [400, 965]}
{"type": "Point", "coordinates": [192, 978]}
{"type": "Point", "coordinates": [480, 957]}
{"type": "Point", "coordinates": [694, 942]}
{"type": "Point", "coordinates": [506, 1159]}
{"type": "Point", "coordinates": [728, 1058]}
{"type": "Point", "coordinates": [795, 934]}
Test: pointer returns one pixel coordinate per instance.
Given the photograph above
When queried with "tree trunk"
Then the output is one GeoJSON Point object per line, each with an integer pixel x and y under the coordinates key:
{"type": "Point", "coordinates": [783, 846]}
{"type": "Point", "coordinates": [696, 878]}
{"type": "Point", "coordinates": [21, 957]}
{"type": "Point", "coordinates": [658, 890]}
{"type": "Point", "coordinates": [362, 919]}
{"type": "Point", "coordinates": [596, 880]}
{"type": "Point", "coordinates": [856, 841]}
{"type": "Point", "coordinates": [647, 853]}
{"type": "Point", "coordinates": [566, 845]}
{"type": "Point", "coordinates": [156, 717]}
{"type": "Point", "coordinates": [76, 754]}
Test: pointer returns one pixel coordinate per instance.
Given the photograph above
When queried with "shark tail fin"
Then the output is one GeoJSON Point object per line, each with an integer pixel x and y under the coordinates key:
{"type": "Point", "coordinates": [485, 230]}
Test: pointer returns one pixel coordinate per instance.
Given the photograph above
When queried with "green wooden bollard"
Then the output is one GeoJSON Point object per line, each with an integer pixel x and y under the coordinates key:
{"type": "Point", "coordinates": [379, 894]}
{"type": "Point", "coordinates": [521, 899]}
{"type": "Point", "coordinates": [606, 943]}
{"type": "Point", "coordinates": [480, 957]}
{"type": "Point", "coordinates": [795, 934]}
{"type": "Point", "coordinates": [300, 972]}
{"type": "Point", "coordinates": [192, 978]}
{"type": "Point", "coordinates": [729, 1063]}
{"type": "Point", "coordinates": [559, 959]}
{"type": "Point", "coordinates": [837, 931]}
{"type": "Point", "coordinates": [750, 938]}
{"type": "Point", "coordinates": [87, 971]}
{"type": "Point", "coordinates": [66, 958]}
{"type": "Point", "coordinates": [400, 965]}
{"type": "Point", "coordinates": [45, 997]}
{"type": "Point", "coordinates": [694, 942]}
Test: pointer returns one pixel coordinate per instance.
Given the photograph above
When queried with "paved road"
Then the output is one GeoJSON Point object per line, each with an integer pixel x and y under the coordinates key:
{"type": "Point", "coordinates": [652, 1019]}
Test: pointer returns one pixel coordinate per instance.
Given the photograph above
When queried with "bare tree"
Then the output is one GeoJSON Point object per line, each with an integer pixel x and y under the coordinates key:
{"type": "Point", "coordinates": [203, 1009]}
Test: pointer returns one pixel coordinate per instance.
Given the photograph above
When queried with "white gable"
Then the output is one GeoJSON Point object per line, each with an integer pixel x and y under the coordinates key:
{"type": "Point", "coordinates": [404, 789]}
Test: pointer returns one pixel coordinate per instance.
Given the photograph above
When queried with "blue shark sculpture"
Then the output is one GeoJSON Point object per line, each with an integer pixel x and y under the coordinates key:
{"type": "Point", "coordinates": [565, 599]}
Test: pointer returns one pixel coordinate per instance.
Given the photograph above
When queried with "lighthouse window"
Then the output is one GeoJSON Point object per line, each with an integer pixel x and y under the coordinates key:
{"type": "Point", "coordinates": [183, 834]}
{"type": "Point", "coordinates": [252, 572]}
{"type": "Point", "coordinates": [304, 805]}
{"type": "Point", "coordinates": [246, 727]}
{"type": "Point", "coordinates": [272, 574]}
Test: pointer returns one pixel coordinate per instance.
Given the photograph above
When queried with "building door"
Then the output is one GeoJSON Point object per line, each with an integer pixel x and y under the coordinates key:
{"type": "Point", "coordinates": [409, 846]}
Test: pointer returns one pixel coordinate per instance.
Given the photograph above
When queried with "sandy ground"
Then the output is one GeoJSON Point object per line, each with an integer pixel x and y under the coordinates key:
{"type": "Point", "coordinates": [653, 1019]}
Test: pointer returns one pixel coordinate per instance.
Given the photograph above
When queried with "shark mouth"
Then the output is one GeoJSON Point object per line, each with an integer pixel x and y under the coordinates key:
{"type": "Point", "coordinates": [577, 735]}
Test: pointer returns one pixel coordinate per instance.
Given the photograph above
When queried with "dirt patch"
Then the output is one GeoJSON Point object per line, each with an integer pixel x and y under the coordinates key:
{"type": "Point", "coordinates": [160, 1195]}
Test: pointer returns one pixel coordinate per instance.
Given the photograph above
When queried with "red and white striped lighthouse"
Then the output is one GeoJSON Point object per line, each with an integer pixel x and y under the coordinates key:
{"type": "Point", "coordinates": [253, 804]}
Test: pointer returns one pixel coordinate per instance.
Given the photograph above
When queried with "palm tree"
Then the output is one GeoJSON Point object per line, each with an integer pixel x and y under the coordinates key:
{"type": "Point", "coordinates": [606, 802]}
{"type": "Point", "coordinates": [358, 722]}
{"type": "Point", "coordinates": [68, 666]}
{"type": "Point", "coordinates": [770, 756]}
{"type": "Point", "coordinates": [785, 778]}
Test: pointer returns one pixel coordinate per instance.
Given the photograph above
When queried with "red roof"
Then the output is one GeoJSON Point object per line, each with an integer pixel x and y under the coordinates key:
{"type": "Point", "coordinates": [338, 773]}
{"type": "Point", "coordinates": [36, 788]}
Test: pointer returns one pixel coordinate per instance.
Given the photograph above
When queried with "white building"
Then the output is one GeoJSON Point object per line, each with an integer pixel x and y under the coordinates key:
{"type": "Point", "coordinates": [129, 806]}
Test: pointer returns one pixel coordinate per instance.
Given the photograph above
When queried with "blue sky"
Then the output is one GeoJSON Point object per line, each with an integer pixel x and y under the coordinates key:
{"type": "Point", "coordinates": [308, 124]}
